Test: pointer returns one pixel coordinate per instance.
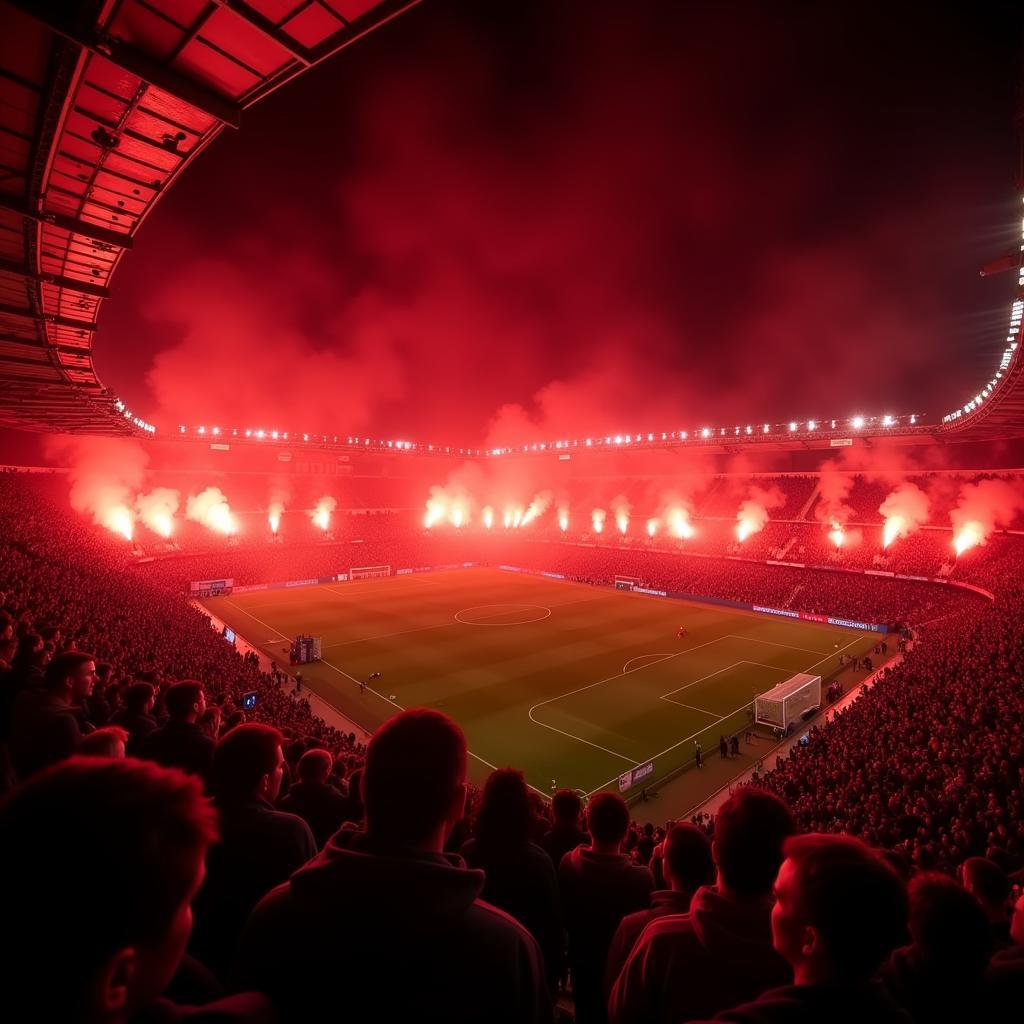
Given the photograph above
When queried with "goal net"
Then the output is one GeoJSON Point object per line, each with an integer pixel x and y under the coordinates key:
{"type": "Point", "coordinates": [788, 702]}
{"type": "Point", "coordinates": [368, 572]}
{"type": "Point", "coordinates": [626, 582]}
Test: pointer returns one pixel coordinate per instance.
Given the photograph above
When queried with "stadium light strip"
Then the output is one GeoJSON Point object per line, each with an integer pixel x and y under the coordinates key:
{"type": "Point", "coordinates": [793, 430]}
{"type": "Point", "coordinates": [1008, 354]}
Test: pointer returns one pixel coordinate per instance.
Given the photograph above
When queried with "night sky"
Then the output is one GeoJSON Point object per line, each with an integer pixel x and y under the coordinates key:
{"type": "Point", "coordinates": [516, 221]}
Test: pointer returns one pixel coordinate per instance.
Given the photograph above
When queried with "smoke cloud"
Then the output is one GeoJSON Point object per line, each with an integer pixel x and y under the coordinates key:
{"type": "Point", "coordinates": [157, 508]}
{"type": "Point", "coordinates": [905, 509]}
{"type": "Point", "coordinates": [211, 509]}
{"type": "Point", "coordinates": [984, 507]}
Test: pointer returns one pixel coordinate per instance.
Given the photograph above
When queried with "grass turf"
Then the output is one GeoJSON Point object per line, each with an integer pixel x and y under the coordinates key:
{"type": "Point", "coordinates": [567, 682]}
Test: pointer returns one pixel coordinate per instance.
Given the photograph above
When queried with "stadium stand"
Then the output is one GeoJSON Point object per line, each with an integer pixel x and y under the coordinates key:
{"type": "Point", "coordinates": [925, 766]}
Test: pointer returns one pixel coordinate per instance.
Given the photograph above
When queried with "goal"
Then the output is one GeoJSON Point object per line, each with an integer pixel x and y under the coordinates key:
{"type": "Point", "coordinates": [368, 572]}
{"type": "Point", "coordinates": [788, 702]}
{"type": "Point", "coordinates": [626, 582]}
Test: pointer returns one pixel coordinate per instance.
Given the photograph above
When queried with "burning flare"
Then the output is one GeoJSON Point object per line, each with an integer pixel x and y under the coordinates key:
{"type": "Point", "coordinates": [157, 509]}
{"type": "Point", "coordinates": [118, 519]}
{"type": "Point", "coordinates": [836, 535]}
{"type": "Point", "coordinates": [488, 515]}
{"type": "Point", "coordinates": [905, 509]}
{"type": "Point", "coordinates": [563, 519]}
{"type": "Point", "coordinates": [971, 535]}
{"type": "Point", "coordinates": [274, 514]}
{"type": "Point", "coordinates": [679, 523]}
{"type": "Point", "coordinates": [321, 515]}
{"type": "Point", "coordinates": [597, 518]}
{"type": "Point", "coordinates": [211, 509]}
{"type": "Point", "coordinates": [652, 527]}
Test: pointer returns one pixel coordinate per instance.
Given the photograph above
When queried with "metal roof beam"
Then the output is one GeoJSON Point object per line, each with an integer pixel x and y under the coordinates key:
{"type": "Point", "coordinates": [103, 236]}
{"type": "Point", "coordinates": [60, 18]}
{"type": "Point", "coordinates": [68, 283]}
{"type": "Point", "coordinates": [267, 28]}
{"type": "Point", "coordinates": [46, 318]}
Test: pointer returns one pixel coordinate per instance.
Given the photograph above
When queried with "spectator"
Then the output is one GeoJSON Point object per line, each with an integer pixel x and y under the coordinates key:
{"type": "Point", "coordinates": [140, 833]}
{"type": "Point", "coordinates": [600, 886]}
{"type": "Point", "coordinates": [136, 715]}
{"type": "Point", "coordinates": [1006, 972]}
{"type": "Point", "coordinates": [110, 741]}
{"type": "Point", "coordinates": [986, 881]}
{"type": "Point", "coordinates": [382, 919]}
{"type": "Point", "coordinates": [259, 848]}
{"type": "Point", "coordinates": [45, 727]}
{"type": "Point", "coordinates": [840, 909]}
{"type": "Point", "coordinates": [940, 976]}
{"type": "Point", "coordinates": [520, 878]}
{"type": "Point", "coordinates": [319, 804]}
{"type": "Point", "coordinates": [565, 833]}
{"type": "Point", "coordinates": [181, 743]}
{"type": "Point", "coordinates": [687, 865]}
{"type": "Point", "coordinates": [720, 953]}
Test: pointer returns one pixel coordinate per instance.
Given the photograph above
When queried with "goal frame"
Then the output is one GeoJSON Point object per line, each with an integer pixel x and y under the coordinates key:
{"type": "Point", "coordinates": [369, 572]}
{"type": "Point", "coordinates": [627, 582]}
{"type": "Point", "coordinates": [787, 702]}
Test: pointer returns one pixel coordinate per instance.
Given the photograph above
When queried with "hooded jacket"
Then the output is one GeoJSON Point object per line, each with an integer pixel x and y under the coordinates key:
{"type": "Point", "coordinates": [690, 966]}
{"type": "Point", "coordinates": [813, 1004]}
{"type": "Point", "coordinates": [390, 933]}
{"type": "Point", "coordinates": [598, 891]}
{"type": "Point", "coordinates": [663, 903]}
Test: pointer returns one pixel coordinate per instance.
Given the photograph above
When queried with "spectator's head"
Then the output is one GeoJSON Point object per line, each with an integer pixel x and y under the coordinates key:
{"type": "Point", "coordinates": [687, 862]}
{"type": "Point", "coordinates": [505, 815]}
{"type": "Point", "coordinates": [139, 834]}
{"type": "Point", "coordinates": [70, 675]}
{"type": "Point", "coordinates": [110, 741]}
{"type": "Point", "coordinates": [607, 820]}
{"type": "Point", "coordinates": [6, 626]}
{"type": "Point", "coordinates": [315, 765]}
{"type": "Point", "coordinates": [138, 698]}
{"type": "Point", "coordinates": [750, 829]}
{"type": "Point", "coordinates": [1017, 922]}
{"type": "Point", "coordinates": [948, 928]}
{"type": "Point", "coordinates": [986, 881]}
{"type": "Point", "coordinates": [185, 701]}
{"type": "Point", "coordinates": [248, 763]}
{"type": "Point", "coordinates": [566, 807]}
{"type": "Point", "coordinates": [840, 909]}
{"type": "Point", "coordinates": [414, 780]}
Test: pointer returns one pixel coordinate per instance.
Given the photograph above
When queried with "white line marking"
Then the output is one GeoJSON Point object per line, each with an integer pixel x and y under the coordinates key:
{"type": "Point", "coordinates": [669, 750]}
{"type": "Point", "coordinates": [253, 617]}
{"type": "Point", "coordinates": [757, 640]}
{"type": "Point", "coordinates": [512, 609]}
{"type": "Point", "coordinates": [710, 675]}
{"type": "Point", "coordinates": [589, 686]}
{"type": "Point", "coordinates": [645, 657]}
{"type": "Point", "coordinates": [382, 636]}
{"type": "Point", "coordinates": [714, 714]}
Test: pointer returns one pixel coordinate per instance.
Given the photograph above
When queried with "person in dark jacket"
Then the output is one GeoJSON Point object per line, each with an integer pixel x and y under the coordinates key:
{"type": "Point", "coordinates": [45, 725]}
{"type": "Point", "coordinates": [940, 976]}
{"type": "Point", "coordinates": [565, 833]}
{"type": "Point", "coordinates": [140, 834]}
{"type": "Point", "coordinates": [382, 923]}
{"type": "Point", "coordinates": [259, 848]}
{"type": "Point", "coordinates": [599, 886]}
{"type": "Point", "coordinates": [319, 804]}
{"type": "Point", "coordinates": [840, 910]}
{"type": "Point", "coordinates": [989, 884]}
{"type": "Point", "coordinates": [136, 715]}
{"type": "Point", "coordinates": [687, 865]}
{"type": "Point", "coordinates": [181, 743]}
{"type": "Point", "coordinates": [720, 953]}
{"type": "Point", "coordinates": [520, 876]}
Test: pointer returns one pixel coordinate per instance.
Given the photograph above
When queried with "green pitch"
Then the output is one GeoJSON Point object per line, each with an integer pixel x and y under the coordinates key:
{"type": "Point", "coordinates": [567, 682]}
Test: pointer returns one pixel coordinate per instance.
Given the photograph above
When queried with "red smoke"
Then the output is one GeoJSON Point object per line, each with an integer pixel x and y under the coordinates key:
{"type": "Point", "coordinates": [488, 247]}
{"type": "Point", "coordinates": [984, 507]}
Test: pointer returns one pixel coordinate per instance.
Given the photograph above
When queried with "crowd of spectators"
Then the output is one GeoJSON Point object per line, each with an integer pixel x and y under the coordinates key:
{"type": "Point", "coordinates": [263, 866]}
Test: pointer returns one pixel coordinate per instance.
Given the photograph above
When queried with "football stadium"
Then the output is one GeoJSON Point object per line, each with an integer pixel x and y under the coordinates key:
{"type": "Point", "coordinates": [533, 532]}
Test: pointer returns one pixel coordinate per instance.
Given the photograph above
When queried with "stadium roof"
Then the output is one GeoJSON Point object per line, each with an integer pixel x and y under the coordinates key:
{"type": "Point", "coordinates": [103, 103]}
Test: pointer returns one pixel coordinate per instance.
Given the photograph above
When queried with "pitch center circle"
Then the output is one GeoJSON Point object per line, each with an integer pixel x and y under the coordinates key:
{"type": "Point", "coordinates": [502, 614]}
